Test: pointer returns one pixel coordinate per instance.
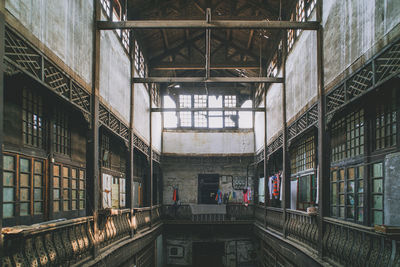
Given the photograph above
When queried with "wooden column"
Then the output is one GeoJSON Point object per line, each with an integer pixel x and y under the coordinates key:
{"type": "Point", "coordinates": [322, 162]}
{"type": "Point", "coordinates": [285, 183]}
{"type": "Point", "coordinates": [2, 67]}
{"type": "Point", "coordinates": [265, 155]}
{"type": "Point", "coordinates": [93, 142]}
{"type": "Point", "coordinates": [131, 131]}
{"type": "Point", "coordinates": [151, 155]}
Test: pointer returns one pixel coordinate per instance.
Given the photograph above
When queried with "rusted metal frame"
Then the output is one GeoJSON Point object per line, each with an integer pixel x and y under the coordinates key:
{"type": "Point", "coordinates": [201, 24]}
{"type": "Point", "coordinates": [2, 68]}
{"type": "Point", "coordinates": [209, 80]}
{"type": "Point", "coordinates": [206, 109]}
{"type": "Point", "coordinates": [265, 155]}
{"type": "Point", "coordinates": [208, 45]}
{"type": "Point", "coordinates": [285, 183]}
{"type": "Point", "coordinates": [250, 65]}
{"type": "Point", "coordinates": [131, 132]}
{"type": "Point", "coordinates": [322, 158]}
{"type": "Point", "coordinates": [93, 153]}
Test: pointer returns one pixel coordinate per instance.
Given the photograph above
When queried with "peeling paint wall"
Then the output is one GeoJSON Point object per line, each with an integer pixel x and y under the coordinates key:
{"type": "Point", "coordinates": [182, 172]}
{"type": "Point", "coordinates": [141, 111]}
{"type": "Point", "coordinates": [65, 27]}
{"type": "Point", "coordinates": [352, 28]}
{"type": "Point", "coordinates": [274, 110]}
{"type": "Point", "coordinates": [115, 85]}
{"type": "Point", "coordinates": [259, 129]}
{"type": "Point", "coordinates": [156, 129]}
{"type": "Point", "coordinates": [193, 142]}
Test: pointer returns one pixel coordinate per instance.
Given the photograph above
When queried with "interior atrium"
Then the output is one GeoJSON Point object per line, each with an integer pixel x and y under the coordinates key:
{"type": "Point", "coordinates": [236, 133]}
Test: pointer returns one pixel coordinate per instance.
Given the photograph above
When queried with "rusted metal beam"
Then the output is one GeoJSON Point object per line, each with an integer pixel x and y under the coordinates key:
{"type": "Point", "coordinates": [248, 65]}
{"type": "Point", "coordinates": [209, 80]}
{"type": "Point", "coordinates": [206, 109]}
{"type": "Point", "coordinates": [201, 24]}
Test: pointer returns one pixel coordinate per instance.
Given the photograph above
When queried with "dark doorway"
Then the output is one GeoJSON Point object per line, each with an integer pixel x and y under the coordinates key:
{"type": "Point", "coordinates": [208, 187]}
{"type": "Point", "coordinates": [208, 254]}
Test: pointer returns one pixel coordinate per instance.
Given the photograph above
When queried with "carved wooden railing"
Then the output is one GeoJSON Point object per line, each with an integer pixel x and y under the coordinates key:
{"type": "Point", "coordinates": [114, 226]}
{"type": "Point", "coordinates": [302, 227]}
{"type": "Point", "coordinates": [142, 218]}
{"type": "Point", "coordinates": [356, 245]}
{"type": "Point", "coordinates": [274, 218]}
{"type": "Point", "coordinates": [239, 212]}
{"type": "Point", "coordinates": [156, 213]}
{"type": "Point", "coordinates": [176, 212]}
{"type": "Point", "coordinates": [259, 213]}
{"type": "Point", "coordinates": [60, 243]}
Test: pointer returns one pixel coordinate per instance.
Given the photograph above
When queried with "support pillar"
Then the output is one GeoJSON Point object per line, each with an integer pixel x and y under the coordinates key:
{"type": "Point", "coordinates": [265, 155]}
{"type": "Point", "coordinates": [151, 155]}
{"type": "Point", "coordinates": [2, 67]}
{"type": "Point", "coordinates": [322, 160]}
{"type": "Point", "coordinates": [132, 134]}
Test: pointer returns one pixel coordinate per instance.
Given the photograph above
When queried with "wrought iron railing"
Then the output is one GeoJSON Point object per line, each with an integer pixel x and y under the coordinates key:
{"type": "Point", "coordinates": [303, 227]}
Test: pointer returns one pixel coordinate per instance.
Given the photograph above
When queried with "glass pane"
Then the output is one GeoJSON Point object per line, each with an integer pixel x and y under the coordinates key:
{"type": "Point", "coordinates": [81, 174]}
{"type": "Point", "coordinates": [38, 167]}
{"type": "Point", "coordinates": [24, 179]}
{"type": "Point", "coordinates": [65, 172]}
{"type": "Point", "coordinates": [361, 172]}
{"type": "Point", "coordinates": [350, 199]}
{"type": "Point", "coordinates": [38, 194]}
{"type": "Point", "coordinates": [81, 204]}
{"type": "Point", "coordinates": [38, 180]}
{"type": "Point", "coordinates": [360, 200]}
{"type": "Point", "coordinates": [8, 210]}
{"type": "Point", "coordinates": [341, 212]}
{"type": "Point", "coordinates": [81, 184]}
{"type": "Point", "coordinates": [377, 186]}
{"type": "Point", "coordinates": [361, 186]}
{"type": "Point", "coordinates": [377, 170]}
{"type": "Point", "coordinates": [350, 186]}
{"type": "Point", "coordinates": [56, 206]}
{"type": "Point", "coordinates": [334, 193]}
{"type": "Point", "coordinates": [56, 182]}
{"type": "Point", "coordinates": [378, 217]}
{"type": "Point", "coordinates": [8, 194]}
{"type": "Point", "coordinates": [341, 199]}
{"type": "Point", "coordinates": [73, 184]}
{"type": "Point", "coordinates": [65, 194]}
{"type": "Point", "coordinates": [334, 176]}
{"type": "Point", "coordinates": [8, 179]}
{"type": "Point", "coordinates": [73, 173]}
{"type": "Point", "coordinates": [350, 213]}
{"type": "Point", "coordinates": [73, 205]}
{"type": "Point", "coordinates": [377, 202]}
{"type": "Point", "coordinates": [341, 187]}
{"type": "Point", "coordinates": [24, 194]}
{"type": "Point", "coordinates": [341, 176]}
{"type": "Point", "coordinates": [74, 194]}
{"type": "Point", "coordinates": [56, 193]}
{"type": "Point", "coordinates": [56, 170]}
{"type": "Point", "coordinates": [38, 208]}
{"type": "Point", "coordinates": [82, 194]}
{"type": "Point", "coordinates": [8, 163]}
{"type": "Point", "coordinates": [351, 174]}
{"type": "Point", "coordinates": [24, 209]}
{"type": "Point", "coordinates": [360, 215]}
{"type": "Point", "coordinates": [334, 211]}
{"type": "Point", "coordinates": [66, 206]}
{"type": "Point", "coordinates": [24, 165]}
{"type": "Point", "coordinates": [65, 183]}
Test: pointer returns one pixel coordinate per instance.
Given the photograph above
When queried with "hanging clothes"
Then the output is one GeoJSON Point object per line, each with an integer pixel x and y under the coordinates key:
{"type": "Point", "coordinates": [218, 197]}
{"type": "Point", "coordinates": [270, 186]}
{"type": "Point", "coordinates": [175, 196]}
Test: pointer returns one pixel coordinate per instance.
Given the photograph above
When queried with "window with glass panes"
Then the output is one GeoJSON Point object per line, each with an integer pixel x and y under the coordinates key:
{"type": "Point", "coordinates": [23, 186]}
{"type": "Point", "coordinates": [385, 124]}
{"type": "Point", "coordinates": [347, 136]}
{"type": "Point", "coordinates": [200, 117]}
{"type": "Point", "coordinates": [61, 132]}
{"type": "Point", "coordinates": [185, 101]}
{"type": "Point", "coordinates": [307, 191]}
{"type": "Point", "coordinates": [302, 156]}
{"type": "Point", "coordinates": [105, 151]}
{"type": "Point", "coordinates": [377, 193]}
{"type": "Point", "coordinates": [230, 117]}
{"type": "Point", "coordinates": [33, 128]}
{"type": "Point", "coordinates": [347, 193]}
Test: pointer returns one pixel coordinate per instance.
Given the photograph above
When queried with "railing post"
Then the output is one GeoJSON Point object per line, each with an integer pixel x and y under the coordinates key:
{"type": "Point", "coordinates": [285, 190]}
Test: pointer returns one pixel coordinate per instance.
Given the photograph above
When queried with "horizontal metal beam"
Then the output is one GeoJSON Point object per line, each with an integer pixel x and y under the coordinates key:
{"type": "Point", "coordinates": [206, 109]}
{"type": "Point", "coordinates": [209, 80]}
{"type": "Point", "coordinates": [202, 24]}
{"type": "Point", "coordinates": [252, 65]}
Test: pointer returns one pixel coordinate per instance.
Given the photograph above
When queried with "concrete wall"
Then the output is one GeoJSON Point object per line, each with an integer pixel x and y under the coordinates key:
{"type": "Point", "coordinates": [115, 85]}
{"type": "Point", "coordinates": [259, 129]}
{"type": "Point", "coordinates": [182, 172]}
{"type": "Point", "coordinates": [156, 130]}
{"type": "Point", "coordinates": [65, 27]}
{"type": "Point", "coordinates": [352, 28]}
{"type": "Point", "coordinates": [274, 110]}
{"type": "Point", "coordinates": [195, 142]}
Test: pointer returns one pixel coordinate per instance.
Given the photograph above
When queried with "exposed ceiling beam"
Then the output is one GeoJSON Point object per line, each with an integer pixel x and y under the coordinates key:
{"type": "Point", "coordinates": [200, 66]}
{"type": "Point", "coordinates": [209, 80]}
{"type": "Point", "coordinates": [201, 24]}
{"type": "Point", "coordinates": [206, 109]}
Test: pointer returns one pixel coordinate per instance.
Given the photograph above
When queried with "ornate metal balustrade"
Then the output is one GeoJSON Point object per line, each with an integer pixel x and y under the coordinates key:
{"type": "Point", "coordinates": [142, 218]}
{"type": "Point", "coordinates": [114, 227]}
{"type": "Point", "coordinates": [22, 56]}
{"type": "Point", "coordinates": [303, 123]}
{"type": "Point", "coordinates": [302, 227]}
{"type": "Point", "coordinates": [113, 123]}
{"type": "Point", "coordinates": [259, 214]}
{"type": "Point", "coordinates": [274, 218]}
{"type": "Point", "coordinates": [381, 68]}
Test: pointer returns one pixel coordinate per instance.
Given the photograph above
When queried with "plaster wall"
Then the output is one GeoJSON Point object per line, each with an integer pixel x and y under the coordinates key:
{"type": "Point", "coordinates": [141, 111]}
{"type": "Point", "coordinates": [65, 27]}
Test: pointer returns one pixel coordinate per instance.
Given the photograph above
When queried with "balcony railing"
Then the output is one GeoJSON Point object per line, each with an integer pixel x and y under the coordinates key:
{"type": "Point", "coordinates": [73, 242]}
